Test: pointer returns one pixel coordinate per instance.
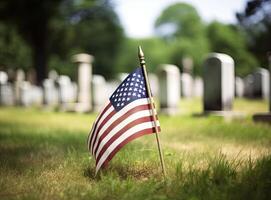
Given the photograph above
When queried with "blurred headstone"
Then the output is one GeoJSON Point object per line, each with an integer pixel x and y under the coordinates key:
{"type": "Point", "coordinates": [50, 96]}
{"type": "Point", "coordinates": [36, 95]}
{"type": "Point", "coordinates": [84, 76]}
{"type": "Point", "coordinates": [198, 87]}
{"type": "Point", "coordinates": [239, 87]}
{"type": "Point", "coordinates": [187, 65]}
{"type": "Point", "coordinates": [186, 85]}
{"type": "Point", "coordinates": [31, 76]}
{"type": "Point", "coordinates": [25, 93]}
{"type": "Point", "coordinates": [169, 85]}
{"type": "Point", "coordinates": [99, 96]}
{"type": "Point", "coordinates": [266, 117]}
{"type": "Point", "coordinates": [218, 77]}
{"type": "Point", "coordinates": [53, 75]}
{"type": "Point", "coordinates": [65, 91]}
{"type": "Point", "coordinates": [19, 78]}
{"type": "Point", "coordinates": [154, 84]}
{"type": "Point", "coordinates": [248, 86]}
{"type": "Point", "coordinates": [261, 84]}
{"type": "Point", "coordinates": [6, 90]}
{"type": "Point", "coordinates": [122, 76]}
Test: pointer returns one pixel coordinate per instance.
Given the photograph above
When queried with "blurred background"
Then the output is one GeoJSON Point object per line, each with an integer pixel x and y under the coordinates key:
{"type": "Point", "coordinates": [41, 35]}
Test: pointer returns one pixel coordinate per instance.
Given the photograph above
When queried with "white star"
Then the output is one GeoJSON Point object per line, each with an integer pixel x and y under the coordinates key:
{"type": "Point", "coordinates": [120, 94]}
{"type": "Point", "coordinates": [118, 104]}
{"type": "Point", "coordinates": [137, 80]}
{"type": "Point", "coordinates": [124, 94]}
{"type": "Point", "coordinates": [128, 99]}
{"type": "Point", "coordinates": [129, 93]}
{"type": "Point", "coordinates": [135, 89]}
{"type": "Point", "coordinates": [125, 89]}
{"type": "Point", "coordinates": [130, 89]}
{"type": "Point", "coordinates": [134, 94]}
{"type": "Point", "coordinates": [123, 99]}
{"type": "Point", "coordinates": [122, 104]}
{"type": "Point", "coordinates": [138, 76]}
{"type": "Point", "coordinates": [132, 84]}
{"type": "Point", "coordinates": [117, 95]}
{"type": "Point", "coordinates": [134, 74]}
{"type": "Point", "coordinates": [136, 84]}
{"type": "Point", "coordinates": [133, 79]}
{"type": "Point", "coordinates": [139, 95]}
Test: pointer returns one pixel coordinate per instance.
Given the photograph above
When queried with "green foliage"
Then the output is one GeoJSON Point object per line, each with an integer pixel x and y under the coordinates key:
{"type": "Point", "coordinates": [14, 52]}
{"type": "Point", "coordinates": [156, 52]}
{"type": "Point", "coordinates": [230, 40]}
{"type": "Point", "coordinates": [255, 20]}
{"type": "Point", "coordinates": [55, 30]}
{"type": "Point", "coordinates": [187, 38]}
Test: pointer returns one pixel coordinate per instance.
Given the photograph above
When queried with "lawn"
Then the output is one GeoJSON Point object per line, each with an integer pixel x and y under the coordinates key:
{"type": "Point", "coordinates": [43, 155]}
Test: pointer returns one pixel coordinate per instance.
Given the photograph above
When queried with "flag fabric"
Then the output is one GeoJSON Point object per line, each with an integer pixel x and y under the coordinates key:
{"type": "Point", "coordinates": [126, 116]}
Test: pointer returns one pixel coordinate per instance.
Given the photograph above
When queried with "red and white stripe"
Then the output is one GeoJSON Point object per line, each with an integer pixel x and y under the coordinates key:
{"type": "Point", "coordinates": [112, 129]}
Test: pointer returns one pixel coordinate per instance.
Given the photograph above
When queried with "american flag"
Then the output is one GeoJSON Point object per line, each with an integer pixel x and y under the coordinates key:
{"type": "Point", "coordinates": [126, 116]}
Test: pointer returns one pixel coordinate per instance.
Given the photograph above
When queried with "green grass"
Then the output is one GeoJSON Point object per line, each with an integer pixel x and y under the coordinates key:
{"type": "Point", "coordinates": [43, 155]}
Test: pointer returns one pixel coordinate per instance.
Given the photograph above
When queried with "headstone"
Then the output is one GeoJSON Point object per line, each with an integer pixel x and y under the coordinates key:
{"type": "Point", "coordinates": [111, 87]}
{"type": "Point", "coordinates": [50, 96]}
{"type": "Point", "coordinates": [6, 90]}
{"type": "Point", "coordinates": [218, 77]}
{"type": "Point", "coordinates": [248, 86]}
{"type": "Point", "coordinates": [154, 84]}
{"type": "Point", "coordinates": [66, 91]}
{"type": "Point", "coordinates": [3, 77]}
{"type": "Point", "coordinates": [36, 95]}
{"type": "Point", "coordinates": [31, 76]}
{"type": "Point", "coordinates": [239, 87]}
{"type": "Point", "coordinates": [169, 85]}
{"type": "Point", "coordinates": [198, 87]}
{"type": "Point", "coordinates": [187, 65]}
{"type": "Point", "coordinates": [122, 76]}
{"type": "Point", "coordinates": [53, 75]}
{"type": "Point", "coordinates": [261, 84]}
{"type": "Point", "coordinates": [266, 117]}
{"type": "Point", "coordinates": [98, 92]}
{"type": "Point", "coordinates": [84, 75]}
{"type": "Point", "coordinates": [19, 78]}
{"type": "Point", "coordinates": [186, 85]}
{"type": "Point", "coordinates": [25, 93]}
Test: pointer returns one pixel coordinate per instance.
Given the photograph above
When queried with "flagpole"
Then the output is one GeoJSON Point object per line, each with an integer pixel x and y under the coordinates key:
{"type": "Point", "coordinates": [143, 65]}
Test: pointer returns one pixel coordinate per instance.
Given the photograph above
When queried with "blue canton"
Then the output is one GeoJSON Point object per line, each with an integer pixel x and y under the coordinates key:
{"type": "Point", "coordinates": [131, 89]}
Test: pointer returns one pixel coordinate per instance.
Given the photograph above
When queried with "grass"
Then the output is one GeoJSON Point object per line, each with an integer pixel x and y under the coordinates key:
{"type": "Point", "coordinates": [43, 155]}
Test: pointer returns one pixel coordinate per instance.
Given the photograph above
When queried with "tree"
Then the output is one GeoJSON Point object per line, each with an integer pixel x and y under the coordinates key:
{"type": "Point", "coordinates": [256, 22]}
{"type": "Point", "coordinates": [181, 26]}
{"type": "Point", "coordinates": [56, 29]}
{"type": "Point", "coordinates": [230, 40]}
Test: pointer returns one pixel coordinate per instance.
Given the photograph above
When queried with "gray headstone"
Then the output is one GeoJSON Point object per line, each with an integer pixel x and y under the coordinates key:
{"type": "Point", "coordinates": [187, 65]}
{"type": "Point", "coordinates": [218, 77]}
{"type": "Point", "coordinates": [6, 94]}
{"type": "Point", "coordinates": [65, 89]}
{"type": "Point", "coordinates": [19, 78]}
{"type": "Point", "coordinates": [53, 75]}
{"type": "Point", "coordinates": [25, 93]}
{"type": "Point", "coordinates": [99, 96]}
{"type": "Point", "coordinates": [186, 85]}
{"type": "Point", "coordinates": [198, 87]}
{"type": "Point", "coordinates": [169, 85]}
{"type": "Point", "coordinates": [3, 77]}
{"type": "Point", "coordinates": [36, 95]}
{"type": "Point", "coordinates": [50, 96]}
{"type": "Point", "coordinates": [248, 84]}
{"type": "Point", "coordinates": [154, 84]}
{"type": "Point", "coordinates": [261, 83]}
{"type": "Point", "coordinates": [239, 87]}
{"type": "Point", "coordinates": [84, 76]}
{"type": "Point", "coordinates": [122, 76]}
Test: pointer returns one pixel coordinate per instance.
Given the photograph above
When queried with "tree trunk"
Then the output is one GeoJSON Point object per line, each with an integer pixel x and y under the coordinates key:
{"type": "Point", "coordinates": [40, 60]}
